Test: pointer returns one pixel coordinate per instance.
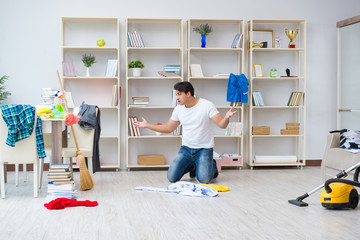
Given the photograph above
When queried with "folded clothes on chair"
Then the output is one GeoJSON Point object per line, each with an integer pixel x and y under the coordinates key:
{"type": "Point", "coordinates": [61, 203]}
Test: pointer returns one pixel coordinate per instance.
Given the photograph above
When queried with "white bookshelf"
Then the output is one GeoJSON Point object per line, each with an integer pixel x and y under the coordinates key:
{"type": "Point", "coordinates": [78, 37]}
{"type": "Point", "coordinates": [276, 92]}
{"type": "Point", "coordinates": [163, 40]}
{"type": "Point", "coordinates": [218, 58]}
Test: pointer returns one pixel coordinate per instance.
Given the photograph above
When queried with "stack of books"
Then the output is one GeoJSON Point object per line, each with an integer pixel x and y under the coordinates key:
{"type": "Point", "coordinates": [60, 182]}
{"type": "Point", "coordinates": [172, 69]}
{"type": "Point", "coordinates": [135, 39]}
{"type": "Point", "coordinates": [139, 102]}
{"type": "Point", "coordinates": [236, 41]}
{"type": "Point", "coordinates": [133, 131]}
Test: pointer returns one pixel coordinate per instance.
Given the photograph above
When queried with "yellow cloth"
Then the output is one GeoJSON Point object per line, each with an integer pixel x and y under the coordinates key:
{"type": "Point", "coordinates": [219, 188]}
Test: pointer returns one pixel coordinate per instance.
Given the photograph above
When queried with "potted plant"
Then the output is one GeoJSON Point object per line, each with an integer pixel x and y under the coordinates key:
{"type": "Point", "coordinates": [88, 61]}
{"type": "Point", "coordinates": [136, 67]}
{"type": "Point", "coordinates": [3, 94]}
{"type": "Point", "coordinates": [204, 30]}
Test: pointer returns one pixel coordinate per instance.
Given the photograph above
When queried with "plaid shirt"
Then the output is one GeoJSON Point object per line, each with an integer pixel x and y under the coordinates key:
{"type": "Point", "coordinates": [20, 122]}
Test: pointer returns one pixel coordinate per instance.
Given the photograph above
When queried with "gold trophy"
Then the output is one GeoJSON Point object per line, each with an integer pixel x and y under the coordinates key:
{"type": "Point", "coordinates": [291, 34]}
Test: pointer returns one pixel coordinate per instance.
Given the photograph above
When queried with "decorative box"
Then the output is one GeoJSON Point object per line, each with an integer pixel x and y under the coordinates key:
{"type": "Point", "coordinates": [231, 159]}
{"type": "Point", "coordinates": [151, 159]}
{"type": "Point", "coordinates": [262, 130]}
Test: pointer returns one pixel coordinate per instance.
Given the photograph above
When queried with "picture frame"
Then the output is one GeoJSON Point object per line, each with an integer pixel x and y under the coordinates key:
{"type": "Point", "coordinates": [258, 70]}
{"type": "Point", "coordinates": [264, 36]}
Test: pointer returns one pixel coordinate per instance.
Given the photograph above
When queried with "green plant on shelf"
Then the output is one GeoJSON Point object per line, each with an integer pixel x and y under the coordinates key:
{"type": "Point", "coordinates": [88, 60]}
{"type": "Point", "coordinates": [203, 29]}
{"type": "Point", "coordinates": [136, 64]}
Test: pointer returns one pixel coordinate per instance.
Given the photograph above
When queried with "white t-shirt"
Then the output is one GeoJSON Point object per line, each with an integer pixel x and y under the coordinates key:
{"type": "Point", "coordinates": [197, 126]}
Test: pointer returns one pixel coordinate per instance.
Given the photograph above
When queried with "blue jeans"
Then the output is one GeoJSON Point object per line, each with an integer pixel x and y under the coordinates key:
{"type": "Point", "coordinates": [185, 161]}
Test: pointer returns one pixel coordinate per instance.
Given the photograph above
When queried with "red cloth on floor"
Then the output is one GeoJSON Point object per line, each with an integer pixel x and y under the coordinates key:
{"type": "Point", "coordinates": [61, 203]}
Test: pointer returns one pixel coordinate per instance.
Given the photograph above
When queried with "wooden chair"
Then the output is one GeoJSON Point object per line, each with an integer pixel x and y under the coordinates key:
{"type": "Point", "coordinates": [24, 152]}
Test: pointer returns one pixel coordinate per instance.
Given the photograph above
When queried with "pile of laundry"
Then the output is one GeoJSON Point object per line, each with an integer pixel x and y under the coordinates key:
{"type": "Point", "coordinates": [349, 139]}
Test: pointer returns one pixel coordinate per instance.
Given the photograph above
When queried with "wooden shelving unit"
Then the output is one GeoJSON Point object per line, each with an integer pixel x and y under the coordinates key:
{"type": "Point", "coordinates": [163, 45]}
{"type": "Point", "coordinates": [78, 37]}
{"type": "Point", "coordinates": [276, 92]}
{"type": "Point", "coordinates": [218, 58]}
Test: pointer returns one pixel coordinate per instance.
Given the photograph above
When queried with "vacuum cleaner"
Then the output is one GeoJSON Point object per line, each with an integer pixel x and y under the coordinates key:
{"type": "Point", "coordinates": [337, 193]}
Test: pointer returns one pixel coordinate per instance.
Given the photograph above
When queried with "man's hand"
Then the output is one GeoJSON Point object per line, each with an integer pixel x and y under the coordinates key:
{"type": "Point", "coordinates": [230, 113]}
{"type": "Point", "coordinates": [143, 124]}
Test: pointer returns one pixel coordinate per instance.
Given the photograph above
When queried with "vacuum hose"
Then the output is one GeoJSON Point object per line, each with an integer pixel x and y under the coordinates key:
{"type": "Point", "coordinates": [354, 183]}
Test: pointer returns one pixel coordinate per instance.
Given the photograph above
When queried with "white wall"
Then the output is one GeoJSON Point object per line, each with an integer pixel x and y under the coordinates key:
{"type": "Point", "coordinates": [30, 38]}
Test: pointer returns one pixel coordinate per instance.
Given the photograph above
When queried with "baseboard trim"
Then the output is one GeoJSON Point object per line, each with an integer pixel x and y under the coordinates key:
{"type": "Point", "coordinates": [29, 167]}
{"type": "Point", "coordinates": [315, 162]}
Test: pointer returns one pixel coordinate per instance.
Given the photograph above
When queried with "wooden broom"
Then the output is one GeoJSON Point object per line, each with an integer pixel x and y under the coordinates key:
{"type": "Point", "coordinates": [86, 182]}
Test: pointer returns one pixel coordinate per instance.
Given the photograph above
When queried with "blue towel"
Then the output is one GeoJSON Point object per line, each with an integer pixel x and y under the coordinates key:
{"type": "Point", "coordinates": [238, 88]}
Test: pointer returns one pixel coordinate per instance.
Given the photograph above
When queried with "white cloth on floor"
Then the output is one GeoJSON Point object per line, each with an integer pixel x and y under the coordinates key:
{"type": "Point", "coordinates": [185, 189]}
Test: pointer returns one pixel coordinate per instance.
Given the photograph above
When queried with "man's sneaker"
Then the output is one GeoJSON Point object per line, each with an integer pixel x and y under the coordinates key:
{"type": "Point", "coordinates": [192, 173]}
{"type": "Point", "coordinates": [216, 174]}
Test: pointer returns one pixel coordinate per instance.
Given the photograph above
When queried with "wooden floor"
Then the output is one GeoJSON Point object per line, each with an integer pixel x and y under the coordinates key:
{"type": "Point", "coordinates": [256, 207]}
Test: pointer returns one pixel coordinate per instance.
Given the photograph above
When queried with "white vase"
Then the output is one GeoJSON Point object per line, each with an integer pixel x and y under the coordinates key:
{"type": "Point", "coordinates": [136, 72]}
{"type": "Point", "coordinates": [87, 72]}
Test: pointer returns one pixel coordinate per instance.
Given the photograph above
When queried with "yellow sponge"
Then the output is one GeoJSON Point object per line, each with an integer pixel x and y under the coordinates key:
{"type": "Point", "coordinates": [219, 188]}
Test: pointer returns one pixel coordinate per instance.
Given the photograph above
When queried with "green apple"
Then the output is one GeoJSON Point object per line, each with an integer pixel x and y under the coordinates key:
{"type": "Point", "coordinates": [101, 43]}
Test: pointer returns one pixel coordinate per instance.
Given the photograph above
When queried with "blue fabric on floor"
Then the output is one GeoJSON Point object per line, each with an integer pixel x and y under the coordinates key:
{"type": "Point", "coordinates": [185, 189]}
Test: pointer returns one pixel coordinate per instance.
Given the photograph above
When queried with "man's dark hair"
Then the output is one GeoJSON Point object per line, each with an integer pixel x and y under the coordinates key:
{"type": "Point", "coordinates": [184, 87]}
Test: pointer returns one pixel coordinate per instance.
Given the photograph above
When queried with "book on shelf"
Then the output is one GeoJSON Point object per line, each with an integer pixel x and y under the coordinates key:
{"type": "Point", "coordinates": [233, 129]}
{"type": "Point", "coordinates": [133, 131]}
{"type": "Point", "coordinates": [295, 98]}
{"type": "Point", "coordinates": [69, 69]}
{"type": "Point", "coordinates": [168, 74]}
{"type": "Point", "coordinates": [141, 39]}
{"type": "Point", "coordinates": [130, 39]}
{"type": "Point", "coordinates": [174, 100]}
{"type": "Point", "coordinates": [115, 95]}
{"type": "Point", "coordinates": [112, 67]}
{"type": "Point", "coordinates": [135, 39]}
{"type": "Point", "coordinates": [137, 130]}
{"type": "Point", "coordinates": [171, 68]}
{"type": "Point", "coordinates": [236, 41]}
{"type": "Point", "coordinates": [257, 99]}
{"type": "Point", "coordinates": [196, 71]}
